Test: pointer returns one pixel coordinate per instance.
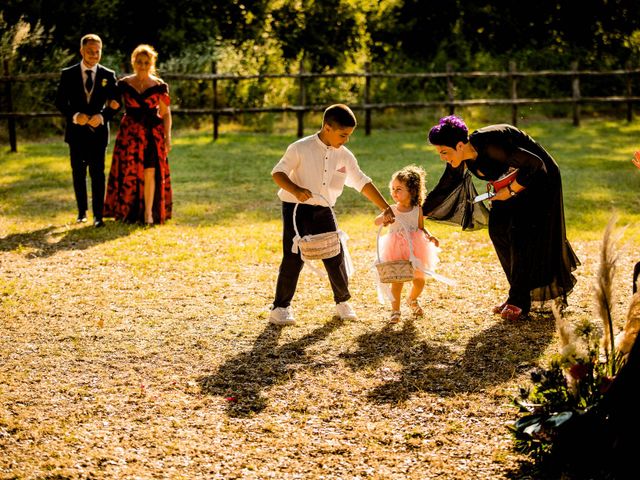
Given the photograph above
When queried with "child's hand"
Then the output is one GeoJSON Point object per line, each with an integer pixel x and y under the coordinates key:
{"type": "Point", "coordinates": [302, 194]}
{"type": "Point", "coordinates": [433, 240]}
{"type": "Point", "coordinates": [114, 105]}
{"type": "Point", "coordinates": [388, 216]}
{"type": "Point", "coordinates": [636, 159]}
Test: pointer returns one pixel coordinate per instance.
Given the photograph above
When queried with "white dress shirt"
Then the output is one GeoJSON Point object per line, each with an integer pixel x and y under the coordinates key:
{"type": "Point", "coordinates": [311, 164]}
{"type": "Point", "coordinates": [84, 69]}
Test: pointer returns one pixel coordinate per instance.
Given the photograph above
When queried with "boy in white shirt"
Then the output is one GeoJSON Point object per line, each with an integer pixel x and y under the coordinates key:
{"type": "Point", "coordinates": [318, 163]}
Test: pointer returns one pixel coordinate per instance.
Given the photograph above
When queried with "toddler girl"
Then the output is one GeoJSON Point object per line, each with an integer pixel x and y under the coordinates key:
{"type": "Point", "coordinates": [408, 191]}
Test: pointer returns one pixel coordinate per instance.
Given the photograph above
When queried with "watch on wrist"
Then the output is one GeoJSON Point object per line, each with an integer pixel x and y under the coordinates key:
{"type": "Point", "coordinates": [511, 192]}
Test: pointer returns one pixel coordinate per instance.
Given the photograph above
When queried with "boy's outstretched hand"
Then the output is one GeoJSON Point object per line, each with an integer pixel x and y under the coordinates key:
{"type": "Point", "coordinates": [636, 159]}
{"type": "Point", "coordinates": [388, 217]}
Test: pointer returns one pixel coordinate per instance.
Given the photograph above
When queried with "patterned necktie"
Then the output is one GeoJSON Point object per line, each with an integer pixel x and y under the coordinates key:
{"type": "Point", "coordinates": [89, 83]}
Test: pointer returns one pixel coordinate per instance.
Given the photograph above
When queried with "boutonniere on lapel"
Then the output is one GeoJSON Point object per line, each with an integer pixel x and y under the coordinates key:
{"type": "Point", "coordinates": [104, 82]}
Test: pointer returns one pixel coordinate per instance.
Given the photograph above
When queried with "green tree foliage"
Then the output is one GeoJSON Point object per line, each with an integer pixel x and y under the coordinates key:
{"type": "Point", "coordinates": [168, 25]}
{"type": "Point", "coordinates": [323, 32]}
{"type": "Point", "coordinates": [20, 43]}
{"type": "Point", "coordinates": [276, 36]}
{"type": "Point", "coordinates": [411, 30]}
{"type": "Point", "coordinates": [334, 33]}
{"type": "Point", "coordinates": [553, 29]}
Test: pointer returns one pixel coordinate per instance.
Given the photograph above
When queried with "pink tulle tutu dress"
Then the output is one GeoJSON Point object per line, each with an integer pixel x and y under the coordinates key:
{"type": "Point", "coordinates": [394, 245]}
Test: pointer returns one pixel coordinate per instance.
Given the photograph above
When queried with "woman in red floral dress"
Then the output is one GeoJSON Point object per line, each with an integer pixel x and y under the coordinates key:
{"type": "Point", "coordinates": [139, 186]}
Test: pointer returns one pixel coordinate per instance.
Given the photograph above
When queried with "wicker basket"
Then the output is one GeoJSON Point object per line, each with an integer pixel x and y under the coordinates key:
{"type": "Point", "coordinates": [394, 271]}
{"type": "Point", "coordinates": [321, 245]}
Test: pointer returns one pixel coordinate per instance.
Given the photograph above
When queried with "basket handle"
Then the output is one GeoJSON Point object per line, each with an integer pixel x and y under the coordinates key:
{"type": "Point", "coordinates": [295, 209]}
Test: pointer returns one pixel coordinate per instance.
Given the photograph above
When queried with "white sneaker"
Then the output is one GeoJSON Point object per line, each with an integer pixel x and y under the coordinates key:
{"type": "Point", "coordinates": [345, 312]}
{"type": "Point", "coordinates": [281, 316]}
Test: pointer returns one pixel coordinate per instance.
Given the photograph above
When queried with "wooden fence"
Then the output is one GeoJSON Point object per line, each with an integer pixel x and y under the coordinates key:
{"type": "Point", "coordinates": [511, 77]}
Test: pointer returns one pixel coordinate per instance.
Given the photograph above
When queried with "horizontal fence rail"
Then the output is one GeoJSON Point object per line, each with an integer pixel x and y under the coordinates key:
{"type": "Point", "coordinates": [448, 101]}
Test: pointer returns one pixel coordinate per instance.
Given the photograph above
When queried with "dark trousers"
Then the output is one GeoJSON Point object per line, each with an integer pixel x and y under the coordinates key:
{"type": "Point", "coordinates": [509, 239]}
{"type": "Point", "coordinates": [310, 220]}
{"type": "Point", "coordinates": [636, 274]}
{"type": "Point", "coordinates": [91, 157]}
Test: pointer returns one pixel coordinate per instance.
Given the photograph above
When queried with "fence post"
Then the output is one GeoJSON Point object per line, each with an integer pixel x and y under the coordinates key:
{"type": "Point", "coordinates": [11, 121]}
{"type": "Point", "coordinates": [302, 98]}
{"type": "Point", "coordinates": [575, 87]}
{"type": "Point", "coordinates": [629, 91]}
{"type": "Point", "coordinates": [216, 115]}
{"type": "Point", "coordinates": [450, 91]}
{"type": "Point", "coordinates": [514, 92]}
{"type": "Point", "coordinates": [367, 90]}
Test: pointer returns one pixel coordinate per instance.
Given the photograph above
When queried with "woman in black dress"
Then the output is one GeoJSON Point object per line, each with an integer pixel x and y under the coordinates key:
{"type": "Point", "coordinates": [526, 221]}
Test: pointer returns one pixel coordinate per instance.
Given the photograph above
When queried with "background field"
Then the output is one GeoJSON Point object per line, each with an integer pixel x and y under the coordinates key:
{"type": "Point", "coordinates": [130, 352]}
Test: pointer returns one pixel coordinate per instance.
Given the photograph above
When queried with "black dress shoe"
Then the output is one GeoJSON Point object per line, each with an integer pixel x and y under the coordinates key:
{"type": "Point", "coordinates": [98, 223]}
{"type": "Point", "coordinates": [81, 218]}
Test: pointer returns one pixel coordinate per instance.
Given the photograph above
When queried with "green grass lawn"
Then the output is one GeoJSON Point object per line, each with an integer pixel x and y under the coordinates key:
{"type": "Point", "coordinates": [227, 180]}
{"type": "Point", "coordinates": [132, 352]}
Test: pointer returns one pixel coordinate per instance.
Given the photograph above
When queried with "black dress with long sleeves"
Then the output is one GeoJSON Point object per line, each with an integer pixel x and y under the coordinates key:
{"type": "Point", "coordinates": [451, 200]}
{"type": "Point", "coordinates": [527, 230]}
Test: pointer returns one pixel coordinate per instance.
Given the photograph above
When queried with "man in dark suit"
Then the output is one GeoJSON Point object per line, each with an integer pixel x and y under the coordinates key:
{"type": "Point", "coordinates": [83, 95]}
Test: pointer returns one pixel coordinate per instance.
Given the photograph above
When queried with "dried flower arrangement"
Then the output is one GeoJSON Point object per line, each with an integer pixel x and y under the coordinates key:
{"type": "Point", "coordinates": [583, 410]}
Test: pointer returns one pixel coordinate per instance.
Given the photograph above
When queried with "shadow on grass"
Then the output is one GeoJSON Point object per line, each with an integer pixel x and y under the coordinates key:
{"type": "Point", "coordinates": [242, 379]}
{"type": "Point", "coordinates": [50, 240]}
{"type": "Point", "coordinates": [492, 357]}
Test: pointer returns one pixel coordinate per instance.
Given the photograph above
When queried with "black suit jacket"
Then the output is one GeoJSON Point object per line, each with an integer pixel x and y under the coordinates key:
{"type": "Point", "coordinates": [71, 99]}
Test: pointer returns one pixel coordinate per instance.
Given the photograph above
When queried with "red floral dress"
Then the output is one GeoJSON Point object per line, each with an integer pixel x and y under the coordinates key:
{"type": "Point", "coordinates": [139, 143]}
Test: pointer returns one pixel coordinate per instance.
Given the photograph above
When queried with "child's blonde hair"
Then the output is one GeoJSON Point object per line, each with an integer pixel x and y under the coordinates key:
{"type": "Point", "coordinates": [413, 177]}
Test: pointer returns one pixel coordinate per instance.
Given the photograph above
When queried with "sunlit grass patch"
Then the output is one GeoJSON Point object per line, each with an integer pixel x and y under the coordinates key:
{"type": "Point", "coordinates": [133, 352]}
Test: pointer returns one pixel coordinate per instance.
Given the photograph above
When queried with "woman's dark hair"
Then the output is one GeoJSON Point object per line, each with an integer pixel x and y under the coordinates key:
{"type": "Point", "coordinates": [449, 131]}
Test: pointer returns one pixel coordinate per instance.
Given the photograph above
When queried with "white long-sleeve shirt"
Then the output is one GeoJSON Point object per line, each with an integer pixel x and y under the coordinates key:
{"type": "Point", "coordinates": [311, 164]}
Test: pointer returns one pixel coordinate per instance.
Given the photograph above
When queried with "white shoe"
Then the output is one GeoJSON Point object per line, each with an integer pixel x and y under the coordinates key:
{"type": "Point", "coordinates": [345, 312]}
{"type": "Point", "coordinates": [281, 316]}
